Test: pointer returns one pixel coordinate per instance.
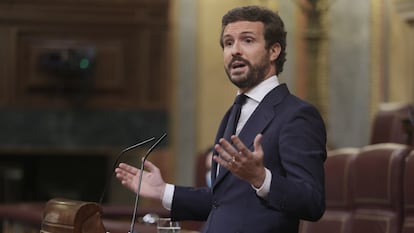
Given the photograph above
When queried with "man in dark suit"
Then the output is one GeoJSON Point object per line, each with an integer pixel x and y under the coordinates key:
{"type": "Point", "coordinates": [268, 172]}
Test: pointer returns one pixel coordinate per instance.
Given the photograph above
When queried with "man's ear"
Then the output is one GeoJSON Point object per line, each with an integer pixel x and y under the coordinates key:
{"type": "Point", "coordinates": [275, 51]}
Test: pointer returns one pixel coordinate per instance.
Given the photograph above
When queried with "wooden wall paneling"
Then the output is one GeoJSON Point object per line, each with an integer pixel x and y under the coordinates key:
{"type": "Point", "coordinates": [36, 86]}
{"type": "Point", "coordinates": [152, 67]}
{"type": "Point", "coordinates": [158, 53]}
{"type": "Point", "coordinates": [130, 43]}
{"type": "Point", "coordinates": [129, 38]}
{"type": "Point", "coordinates": [3, 65]}
{"type": "Point", "coordinates": [88, 11]}
{"type": "Point", "coordinates": [7, 66]}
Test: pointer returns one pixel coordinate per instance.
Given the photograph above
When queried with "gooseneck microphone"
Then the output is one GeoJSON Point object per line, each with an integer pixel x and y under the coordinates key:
{"type": "Point", "coordinates": [116, 164]}
{"type": "Point", "coordinates": [140, 180]}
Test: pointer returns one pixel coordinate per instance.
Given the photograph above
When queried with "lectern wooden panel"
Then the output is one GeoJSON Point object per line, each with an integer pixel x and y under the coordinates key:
{"type": "Point", "coordinates": [68, 216]}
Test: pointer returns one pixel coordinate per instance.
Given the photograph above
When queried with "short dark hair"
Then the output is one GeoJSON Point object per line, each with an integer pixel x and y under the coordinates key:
{"type": "Point", "coordinates": [273, 25]}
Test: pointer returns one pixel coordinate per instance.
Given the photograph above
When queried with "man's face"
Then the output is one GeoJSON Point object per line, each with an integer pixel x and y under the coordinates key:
{"type": "Point", "coordinates": [246, 61]}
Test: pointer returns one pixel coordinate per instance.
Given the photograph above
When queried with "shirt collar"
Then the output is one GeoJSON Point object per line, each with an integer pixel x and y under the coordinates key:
{"type": "Point", "coordinates": [258, 92]}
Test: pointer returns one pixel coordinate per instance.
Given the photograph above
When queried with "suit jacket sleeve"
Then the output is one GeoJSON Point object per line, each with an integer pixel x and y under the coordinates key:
{"type": "Point", "coordinates": [191, 203]}
{"type": "Point", "coordinates": [297, 186]}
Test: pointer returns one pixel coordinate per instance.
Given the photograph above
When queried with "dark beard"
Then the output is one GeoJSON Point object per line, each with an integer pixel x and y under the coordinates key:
{"type": "Point", "coordinates": [255, 75]}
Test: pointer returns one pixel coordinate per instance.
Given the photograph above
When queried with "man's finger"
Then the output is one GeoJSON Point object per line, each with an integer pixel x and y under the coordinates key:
{"type": "Point", "coordinates": [257, 142]}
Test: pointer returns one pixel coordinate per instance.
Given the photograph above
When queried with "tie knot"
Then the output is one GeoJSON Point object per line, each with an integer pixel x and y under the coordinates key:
{"type": "Point", "coordinates": [240, 99]}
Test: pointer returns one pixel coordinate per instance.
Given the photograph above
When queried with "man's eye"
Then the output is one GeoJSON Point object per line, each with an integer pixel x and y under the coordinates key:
{"type": "Point", "coordinates": [248, 40]}
{"type": "Point", "coordinates": [228, 43]}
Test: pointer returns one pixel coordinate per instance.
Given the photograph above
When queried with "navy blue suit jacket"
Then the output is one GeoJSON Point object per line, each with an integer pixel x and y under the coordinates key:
{"type": "Point", "coordinates": [294, 144]}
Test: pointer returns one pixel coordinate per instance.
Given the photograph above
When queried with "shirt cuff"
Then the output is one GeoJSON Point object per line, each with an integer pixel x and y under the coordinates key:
{"type": "Point", "coordinates": [168, 196]}
{"type": "Point", "coordinates": [263, 190]}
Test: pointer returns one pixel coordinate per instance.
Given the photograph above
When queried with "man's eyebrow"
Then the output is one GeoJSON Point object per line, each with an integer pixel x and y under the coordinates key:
{"type": "Point", "coordinates": [248, 32]}
{"type": "Point", "coordinates": [242, 33]}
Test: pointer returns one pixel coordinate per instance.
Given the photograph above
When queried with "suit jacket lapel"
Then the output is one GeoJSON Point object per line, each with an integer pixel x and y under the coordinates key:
{"type": "Point", "coordinates": [219, 135]}
{"type": "Point", "coordinates": [263, 115]}
{"type": "Point", "coordinates": [257, 123]}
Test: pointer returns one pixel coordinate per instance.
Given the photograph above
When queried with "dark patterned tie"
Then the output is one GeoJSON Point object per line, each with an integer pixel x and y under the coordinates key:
{"type": "Point", "coordinates": [234, 116]}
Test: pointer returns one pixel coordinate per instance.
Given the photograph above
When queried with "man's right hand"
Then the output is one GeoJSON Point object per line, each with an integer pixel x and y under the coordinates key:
{"type": "Point", "coordinates": [152, 186]}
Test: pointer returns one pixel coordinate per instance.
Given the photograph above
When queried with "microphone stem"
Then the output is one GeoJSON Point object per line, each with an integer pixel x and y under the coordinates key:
{"type": "Point", "coordinates": [137, 197]}
{"type": "Point", "coordinates": [141, 172]}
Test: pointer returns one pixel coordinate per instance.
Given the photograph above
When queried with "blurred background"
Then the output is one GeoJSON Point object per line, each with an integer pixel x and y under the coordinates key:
{"type": "Point", "coordinates": [80, 80]}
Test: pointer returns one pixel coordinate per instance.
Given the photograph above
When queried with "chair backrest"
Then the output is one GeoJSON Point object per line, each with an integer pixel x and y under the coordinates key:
{"type": "Point", "coordinates": [338, 194]}
{"type": "Point", "coordinates": [200, 170]}
{"type": "Point", "coordinates": [377, 177]}
{"type": "Point", "coordinates": [203, 165]}
{"type": "Point", "coordinates": [337, 180]}
{"type": "Point", "coordinates": [390, 124]}
{"type": "Point", "coordinates": [408, 225]}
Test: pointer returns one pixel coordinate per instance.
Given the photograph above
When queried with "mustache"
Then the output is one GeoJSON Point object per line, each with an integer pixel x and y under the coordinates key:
{"type": "Point", "coordinates": [238, 58]}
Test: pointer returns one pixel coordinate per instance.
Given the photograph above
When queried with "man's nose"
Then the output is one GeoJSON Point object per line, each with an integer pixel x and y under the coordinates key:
{"type": "Point", "coordinates": [236, 49]}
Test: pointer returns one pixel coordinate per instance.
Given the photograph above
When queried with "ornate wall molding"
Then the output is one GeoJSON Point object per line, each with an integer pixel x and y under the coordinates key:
{"type": "Point", "coordinates": [316, 36]}
{"type": "Point", "coordinates": [406, 9]}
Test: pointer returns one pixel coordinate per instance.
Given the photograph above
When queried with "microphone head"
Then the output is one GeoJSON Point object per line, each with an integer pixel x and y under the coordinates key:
{"type": "Point", "coordinates": [153, 146]}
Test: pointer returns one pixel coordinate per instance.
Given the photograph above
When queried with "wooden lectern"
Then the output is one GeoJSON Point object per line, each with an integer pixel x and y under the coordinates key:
{"type": "Point", "coordinates": [68, 216]}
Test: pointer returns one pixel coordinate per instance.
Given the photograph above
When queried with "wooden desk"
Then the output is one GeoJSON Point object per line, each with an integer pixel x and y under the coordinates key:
{"type": "Point", "coordinates": [117, 226]}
